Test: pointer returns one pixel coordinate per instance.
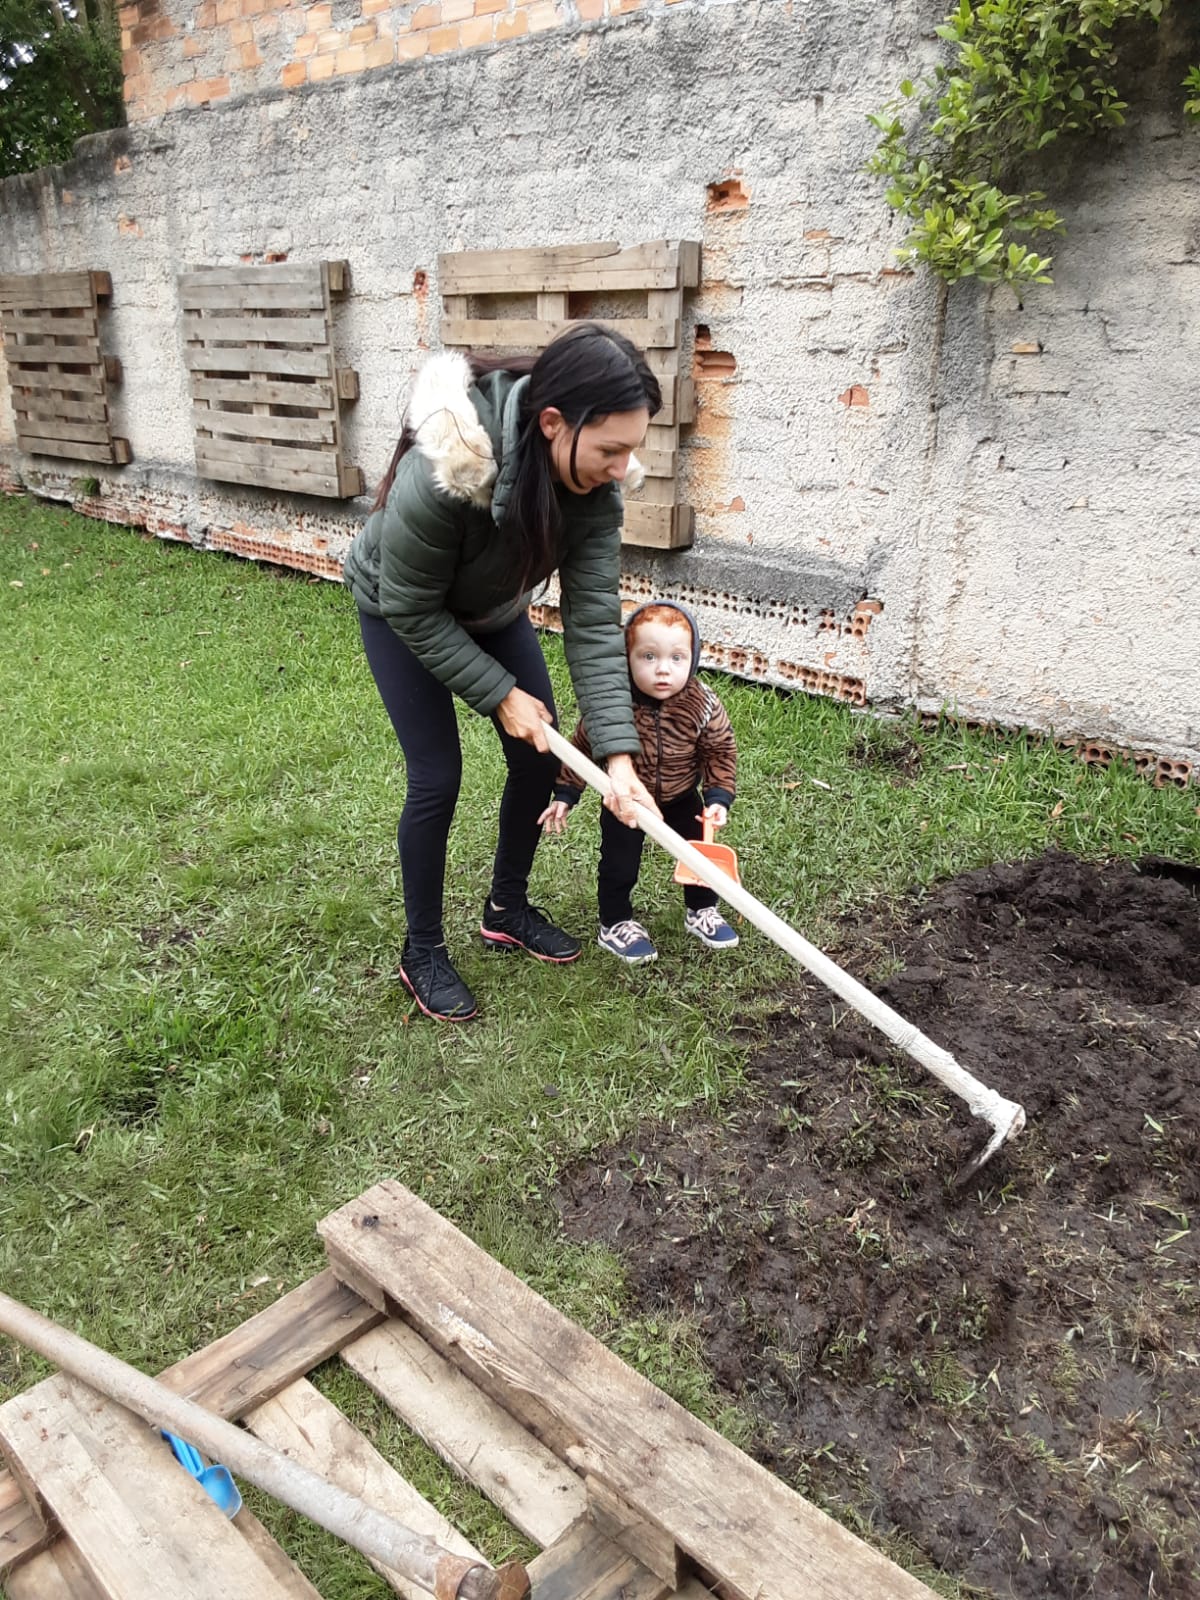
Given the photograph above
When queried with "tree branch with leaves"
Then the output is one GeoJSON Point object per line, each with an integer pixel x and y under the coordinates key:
{"type": "Point", "coordinates": [1025, 73]}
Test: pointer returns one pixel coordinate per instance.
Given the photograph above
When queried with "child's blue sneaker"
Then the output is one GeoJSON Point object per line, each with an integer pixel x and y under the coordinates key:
{"type": "Point", "coordinates": [629, 942]}
{"type": "Point", "coordinates": [710, 928]}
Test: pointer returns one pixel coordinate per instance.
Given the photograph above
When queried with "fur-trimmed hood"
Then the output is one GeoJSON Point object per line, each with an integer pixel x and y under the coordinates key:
{"type": "Point", "coordinates": [467, 432]}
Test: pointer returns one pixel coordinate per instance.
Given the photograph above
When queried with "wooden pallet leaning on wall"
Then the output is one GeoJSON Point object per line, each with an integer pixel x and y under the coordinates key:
{"type": "Point", "coordinates": [571, 283]}
{"type": "Point", "coordinates": [627, 1495]}
{"type": "Point", "coordinates": [57, 373]}
{"type": "Point", "coordinates": [266, 389]}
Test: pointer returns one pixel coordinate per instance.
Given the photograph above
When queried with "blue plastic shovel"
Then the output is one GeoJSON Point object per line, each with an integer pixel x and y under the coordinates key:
{"type": "Point", "coordinates": [215, 1480]}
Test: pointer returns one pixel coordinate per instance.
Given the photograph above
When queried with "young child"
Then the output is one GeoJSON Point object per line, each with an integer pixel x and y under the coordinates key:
{"type": "Point", "coordinates": [688, 760]}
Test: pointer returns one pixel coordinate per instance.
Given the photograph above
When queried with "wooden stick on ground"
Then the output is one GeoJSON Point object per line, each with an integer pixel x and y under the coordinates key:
{"type": "Point", "coordinates": [1005, 1117]}
{"type": "Point", "coordinates": [426, 1563]}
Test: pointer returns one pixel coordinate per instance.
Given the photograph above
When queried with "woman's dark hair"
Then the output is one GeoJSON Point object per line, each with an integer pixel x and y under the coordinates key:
{"type": "Point", "coordinates": [586, 373]}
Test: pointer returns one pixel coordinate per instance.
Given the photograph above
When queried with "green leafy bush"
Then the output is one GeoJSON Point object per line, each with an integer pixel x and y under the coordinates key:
{"type": "Point", "coordinates": [1025, 73]}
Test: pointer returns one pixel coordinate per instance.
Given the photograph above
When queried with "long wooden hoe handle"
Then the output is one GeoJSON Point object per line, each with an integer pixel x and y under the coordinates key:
{"type": "Point", "coordinates": [421, 1560]}
{"type": "Point", "coordinates": [1005, 1117]}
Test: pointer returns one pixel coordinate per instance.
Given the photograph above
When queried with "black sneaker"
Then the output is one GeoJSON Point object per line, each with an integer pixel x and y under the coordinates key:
{"type": "Point", "coordinates": [430, 978]}
{"type": "Point", "coordinates": [528, 928]}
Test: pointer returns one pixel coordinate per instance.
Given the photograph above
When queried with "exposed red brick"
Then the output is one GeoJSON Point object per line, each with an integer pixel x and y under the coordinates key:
{"type": "Point", "coordinates": [855, 395]}
{"type": "Point", "coordinates": [512, 26]}
{"type": "Point", "coordinates": [411, 47]}
{"type": "Point", "coordinates": [363, 32]}
{"type": "Point", "coordinates": [294, 74]}
{"type": "Point", "coordinates": [730, 194]}
{"type": "Point", "coordinates": [443, 39]}
{"type": "Point", "coordinates": [129, 226]}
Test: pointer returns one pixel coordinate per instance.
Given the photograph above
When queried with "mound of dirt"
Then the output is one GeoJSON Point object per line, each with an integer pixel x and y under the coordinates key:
{"type": "Point", "coordinates": [1005, 1373]}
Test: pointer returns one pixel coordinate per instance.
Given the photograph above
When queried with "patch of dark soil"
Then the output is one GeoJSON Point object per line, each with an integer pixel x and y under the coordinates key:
{"type": "Point", "coordinates": [1007, 1373]}
{"type": "Point", "coordinates": [879, 746]}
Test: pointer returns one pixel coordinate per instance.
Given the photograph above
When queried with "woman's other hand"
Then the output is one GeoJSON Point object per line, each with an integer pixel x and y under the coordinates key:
{"type": "Point", "coordinates": [715, 814]}
{"type": "Point", "coordinates": [523, 716]}
{"type": "Point", "coordinates": [554, 818]}
{"type": "Point", "coordinates": [626, 791]}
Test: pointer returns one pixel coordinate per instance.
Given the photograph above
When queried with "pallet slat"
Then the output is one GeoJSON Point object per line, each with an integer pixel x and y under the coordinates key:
{"type": "Point", "coordinates": [567, 268]}
{"type": "Point", "coordinates": [729, 1515]}
{"type": "Point", "coordinates": [250, 329]}
{"type": "Point", "coordinates": [306, 1427]}
{"type": "Point", "coordinates": [253, 297]}
{"type": "Point", "coordinates": [81, 323]}
{"type": "Point", "coordinates": [245, 425]}
{"type": "Point", "coordinates": [519, 334]}
{"type": "Point", "coordinates": [536, 1491]}
{"type": "Point", "coordinates": [37, 290]}
{"type": "Point", "coordinates": [255, 391]}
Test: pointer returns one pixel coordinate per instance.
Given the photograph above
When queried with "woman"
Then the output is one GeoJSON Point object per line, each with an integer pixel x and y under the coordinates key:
{"type": "Point", "coordinates": [504, 474]}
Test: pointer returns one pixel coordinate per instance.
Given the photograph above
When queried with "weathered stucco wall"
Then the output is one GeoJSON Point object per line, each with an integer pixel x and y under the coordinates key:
{"type": "Point", "coordinates": [1023, 528]}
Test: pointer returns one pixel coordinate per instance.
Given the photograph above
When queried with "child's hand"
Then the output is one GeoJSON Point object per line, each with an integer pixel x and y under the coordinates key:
{"type": "Point", "coordinates": [717, 815]}
{"type": "Point", "coordinates": [554, 818]}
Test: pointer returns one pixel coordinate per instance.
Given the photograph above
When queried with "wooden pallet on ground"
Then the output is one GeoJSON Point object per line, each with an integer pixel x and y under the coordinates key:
{"type": "Point", "coordinates": [266, 389]}
{"type": "Point", "coordinates": [567, 283]}
{"type": "Point", "coordinates": [57, 373]}
{"type": "Point", "coordinates": [628, 1495]}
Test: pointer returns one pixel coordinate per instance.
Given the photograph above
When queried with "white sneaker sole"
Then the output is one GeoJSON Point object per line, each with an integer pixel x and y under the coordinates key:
{"type": "Point", "coordinates": [713, 944]}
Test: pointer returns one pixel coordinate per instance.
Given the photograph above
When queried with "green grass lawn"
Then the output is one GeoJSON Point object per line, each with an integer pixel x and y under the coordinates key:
{"type": "Point", "coordinates": [202, 1046]}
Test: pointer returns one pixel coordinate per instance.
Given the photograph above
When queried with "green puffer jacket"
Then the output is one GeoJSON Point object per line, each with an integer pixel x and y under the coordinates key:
{"type": "Point", "coordinates": [434, 560]}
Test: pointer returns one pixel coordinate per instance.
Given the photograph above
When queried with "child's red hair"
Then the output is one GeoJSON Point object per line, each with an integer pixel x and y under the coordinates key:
{"type": "Point", "coordinates": [668, 615]}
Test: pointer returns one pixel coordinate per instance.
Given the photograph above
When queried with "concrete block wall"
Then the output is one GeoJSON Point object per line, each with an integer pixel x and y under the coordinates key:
{"type": "Point", "coordinates": [904, 496]}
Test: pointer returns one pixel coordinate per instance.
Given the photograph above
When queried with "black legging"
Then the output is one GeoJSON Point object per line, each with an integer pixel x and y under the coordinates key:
{"type": "Point", "coordinates": [422, 713]}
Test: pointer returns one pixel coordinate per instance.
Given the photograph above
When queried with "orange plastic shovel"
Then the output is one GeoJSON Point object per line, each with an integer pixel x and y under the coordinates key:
{"type": "Point", "coordinates": [719, 854]}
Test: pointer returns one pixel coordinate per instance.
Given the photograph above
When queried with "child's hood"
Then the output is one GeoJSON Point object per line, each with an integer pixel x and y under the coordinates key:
{"type": "Point", "coordinates": [689, 618]}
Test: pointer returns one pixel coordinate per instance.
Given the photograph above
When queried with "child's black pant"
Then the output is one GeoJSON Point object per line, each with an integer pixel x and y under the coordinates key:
{"type": "Point", "coordinates": [621, 857]}
{"type": "Point", "coordinates": [422, 713]}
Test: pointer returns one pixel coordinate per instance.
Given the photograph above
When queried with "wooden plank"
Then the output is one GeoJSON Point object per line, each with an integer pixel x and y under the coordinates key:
{"type": "Point", "coordinates": [657, 463]}
{"type": "Point", "coordinates": [66, 382]}
{"type": "Point", "coordinates": [626, 1527]}
{"type": "Point", "coordinates": [564, 268]}
{"type": "Point", "coordinates": [727, 1513]}
{"type": "Point", "coordinates": [271, 454]}
{"type": "Point", "coordinates": [524, 1480]}
{"type": "Point", "coordinates": [297, 363]}
{"type": "Point", "coordinates": [657, 527]}
{"type": "Point", "coordinates": [519, 334]}
{"type": "Point", "coordinates": [255, 329]}
{"type": "Point", "coordinates": [326, 483]}
{"type": "Point", "coordinates": [59, 428]}
{"type": "Point", "coordinates": [577, 280]}
{"type": "Point", "coordinates": [142, 1526]}
{"type": "Point", "coordinates": [40, 407]}
{"type": "Point", "coordinates": [266, 1353]}
{"type": "Point", "coordinates": [81, 324]}
{"type": "Point", "coordinates": [254, 297]}
{"type": "Point", "coordinates": [63, 447]}
{"type": "Point", "coordinates": [247, 425]}
{"type": "Point", "coordinates": [45, 290]}
{"type": "Point", "coordinates": [23, 1531]}
{"type": "Point", "coordinates": [83, 353]}
{"type": "Point", "coordinates": [307, 273]}
{"type": "Point", "coordinates": [259, 391]}
{"type": "Point", "coordinates": [305, 1426]}
{"type": "Point", "coordinates": [236, 1372]}
{"type": "Point", "coordinates": [59, 1575]}
{"type": "Point", "coordinates": [586, 1565]}
{"type": "Point", "coordinates": [280, 1565]}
